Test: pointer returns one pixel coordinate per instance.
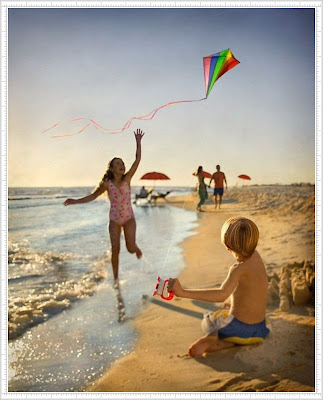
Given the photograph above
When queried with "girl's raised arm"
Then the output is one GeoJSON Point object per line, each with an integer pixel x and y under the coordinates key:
{"type": "Point", "coordinates": [138, 136]}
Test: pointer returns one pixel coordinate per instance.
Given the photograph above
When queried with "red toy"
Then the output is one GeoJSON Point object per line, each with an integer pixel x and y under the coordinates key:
{"type": "Point", "coordinates": [161, 289]}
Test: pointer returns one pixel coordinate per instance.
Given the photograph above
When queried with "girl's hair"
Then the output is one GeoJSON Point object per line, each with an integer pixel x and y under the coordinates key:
{"type": "Point", "coordinates": [199, 169]}
{"type": "Point", "coordinates": [108, 173]}
{"type": "Point", "coordinates": [240, 235]}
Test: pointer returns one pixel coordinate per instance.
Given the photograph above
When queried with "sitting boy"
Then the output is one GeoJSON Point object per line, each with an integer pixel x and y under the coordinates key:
{"type": "Point", "coordinates": [247, 282]}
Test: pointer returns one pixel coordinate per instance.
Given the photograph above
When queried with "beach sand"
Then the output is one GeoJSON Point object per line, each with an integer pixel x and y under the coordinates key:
{"type": "Point", "coordinates": [285, 361]}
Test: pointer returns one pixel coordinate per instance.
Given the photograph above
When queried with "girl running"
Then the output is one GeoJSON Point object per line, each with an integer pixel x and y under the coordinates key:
{"type": "Point", "coordinates": [117, 184]}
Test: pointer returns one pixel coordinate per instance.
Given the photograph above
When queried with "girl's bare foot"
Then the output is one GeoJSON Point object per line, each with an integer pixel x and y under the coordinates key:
{"type": "Point", "coordinates": [208, 344]}
{"type": "Point", "coordinates": [138, 252]}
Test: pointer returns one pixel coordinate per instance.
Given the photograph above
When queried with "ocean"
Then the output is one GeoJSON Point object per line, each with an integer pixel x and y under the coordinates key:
{"type": "Point", "coordinates": [64, 319]}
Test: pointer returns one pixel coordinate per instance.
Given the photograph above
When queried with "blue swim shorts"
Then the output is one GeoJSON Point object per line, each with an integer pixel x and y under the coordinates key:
{"type": "Point", "coordinates": [218, 191]}
{"type": "Point", "coordinates": [230, 329]}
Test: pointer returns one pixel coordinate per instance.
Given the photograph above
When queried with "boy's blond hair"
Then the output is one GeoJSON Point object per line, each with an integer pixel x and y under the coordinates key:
{"type": "Point", "coordinates": [240, 235]}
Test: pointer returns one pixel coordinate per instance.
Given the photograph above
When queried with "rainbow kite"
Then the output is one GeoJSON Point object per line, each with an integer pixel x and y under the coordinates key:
{"type": "Point", "coordinates": [215, 65]}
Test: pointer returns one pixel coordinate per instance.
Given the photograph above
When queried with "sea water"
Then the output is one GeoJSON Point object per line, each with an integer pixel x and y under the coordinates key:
{"type": "Point", "coordinates": [64, 323]}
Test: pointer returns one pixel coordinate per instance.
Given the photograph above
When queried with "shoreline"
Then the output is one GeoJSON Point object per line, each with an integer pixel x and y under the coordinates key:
{"type": "Point", "coordinates": [284, 362]}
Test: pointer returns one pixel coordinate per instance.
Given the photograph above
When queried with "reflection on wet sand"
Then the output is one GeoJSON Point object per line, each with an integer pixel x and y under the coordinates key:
{"type": "Point", "coordinates": [120, 303]}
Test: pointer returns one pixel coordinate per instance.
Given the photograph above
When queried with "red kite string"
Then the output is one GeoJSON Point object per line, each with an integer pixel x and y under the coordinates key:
{"type": "Point", "coordinates": [91, 122]}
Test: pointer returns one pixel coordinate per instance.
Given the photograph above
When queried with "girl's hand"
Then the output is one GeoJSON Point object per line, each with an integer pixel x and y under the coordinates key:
{"type": "Point", "coordinates": [69, 201]}
{"type": "Point", "coordinates": [138, 135]}
{"type": "Point", "coordinates": [175, 286]}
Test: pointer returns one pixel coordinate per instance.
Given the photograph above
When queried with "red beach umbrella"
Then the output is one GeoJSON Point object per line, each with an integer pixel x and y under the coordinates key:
{"type": "Point", "coordinates": [246, 177]}
{"type": "Point", "coordinates": [154, 176]}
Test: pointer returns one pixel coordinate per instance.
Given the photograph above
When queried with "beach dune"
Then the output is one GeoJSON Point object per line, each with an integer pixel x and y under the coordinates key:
{"type": "Point", "coordinates": [283, 362]}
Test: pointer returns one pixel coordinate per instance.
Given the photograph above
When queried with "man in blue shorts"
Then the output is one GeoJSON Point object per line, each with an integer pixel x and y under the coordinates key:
{"type": "Point", "coordinates": [219, 178]}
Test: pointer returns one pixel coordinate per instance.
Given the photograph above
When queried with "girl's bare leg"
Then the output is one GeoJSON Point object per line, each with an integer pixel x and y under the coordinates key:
{"type": "Point", "coordinates": [115, 231]}
{"type": "Point", "coordinates": [208, 344]}
{"type": "Point", "coordinates": [129, 229]}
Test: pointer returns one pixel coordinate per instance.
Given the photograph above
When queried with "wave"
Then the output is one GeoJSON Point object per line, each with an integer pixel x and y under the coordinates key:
{"type": "Point", "coordinates": [19, 198]}
{"type": "Point", "coordinates": [31, 303]}
{"type": "Point", "coordinates": [33, 205]}
{"type": "Point", "coordinates": [23, 278]}
{"type": "Point", "coordinates": [37, 197]}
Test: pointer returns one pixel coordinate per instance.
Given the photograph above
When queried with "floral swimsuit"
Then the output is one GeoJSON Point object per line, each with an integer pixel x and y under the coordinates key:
{"type": "Point", "coordinates": [120, 199]}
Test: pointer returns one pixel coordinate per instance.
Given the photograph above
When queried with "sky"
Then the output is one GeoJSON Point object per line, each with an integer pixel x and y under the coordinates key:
{"type": "Point", "coordinates": [110, 64]}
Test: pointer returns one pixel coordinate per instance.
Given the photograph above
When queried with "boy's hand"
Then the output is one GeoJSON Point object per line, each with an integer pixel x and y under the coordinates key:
{"type": "Point", "coordinates": [139, 134]}
{"type": "Point", "coordinates": [175, 286]}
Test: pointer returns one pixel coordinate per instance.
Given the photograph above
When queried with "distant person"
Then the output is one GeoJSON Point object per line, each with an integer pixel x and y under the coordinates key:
{"type": "Point", "coordinates": [116, 182]}
{"type": "Point", "coordinates": [143, 194]}
{"type": "Point", "coordinates": [202, 188]}
{"type": "Point", "coordinates": [219, 178]}
{"type": "Point", "coordinates": [247, 284]}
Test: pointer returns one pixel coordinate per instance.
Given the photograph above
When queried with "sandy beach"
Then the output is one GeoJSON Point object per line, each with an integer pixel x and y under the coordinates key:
{"type": "Point", "coordinates": [285, 361]}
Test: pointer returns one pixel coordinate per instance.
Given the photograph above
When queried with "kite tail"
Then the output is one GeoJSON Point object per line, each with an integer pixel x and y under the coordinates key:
{"type": "Point", "coordinates": [72, 134]}
{"type": "Point", "coordinates": [126, 126]}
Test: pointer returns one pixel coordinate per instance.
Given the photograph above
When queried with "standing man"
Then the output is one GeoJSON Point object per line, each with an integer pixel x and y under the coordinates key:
{"type": "Point", "coordinates": [218, 178]}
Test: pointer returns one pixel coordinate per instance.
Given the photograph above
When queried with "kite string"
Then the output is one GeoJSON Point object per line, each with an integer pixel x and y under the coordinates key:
{"type": "Point", "coordinates": [169, 247]}
{"type": "Point", "coordinates": [171, 242]}
{"type": "Point", "coordinates": [127, 125]}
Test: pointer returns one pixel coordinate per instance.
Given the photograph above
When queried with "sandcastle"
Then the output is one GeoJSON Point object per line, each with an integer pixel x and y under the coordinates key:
{"type": "Point", "coordinates": [294, 285]}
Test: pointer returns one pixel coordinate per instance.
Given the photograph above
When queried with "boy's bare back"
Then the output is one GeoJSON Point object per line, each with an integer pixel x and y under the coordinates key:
{"type": "Point", "coordinates": [248, 301]}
